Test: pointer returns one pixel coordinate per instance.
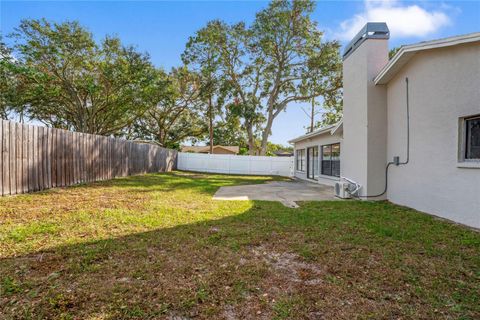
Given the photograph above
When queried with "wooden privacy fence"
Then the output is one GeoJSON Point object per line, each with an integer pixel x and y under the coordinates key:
{"type": "Point", "coordinates": [34, 158]}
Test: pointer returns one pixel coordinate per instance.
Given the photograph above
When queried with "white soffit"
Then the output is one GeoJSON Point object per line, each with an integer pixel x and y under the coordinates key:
{"type": "Point", "coordinates": [338, 127]}
{"type": "Point", "coordinates": [407, 52]}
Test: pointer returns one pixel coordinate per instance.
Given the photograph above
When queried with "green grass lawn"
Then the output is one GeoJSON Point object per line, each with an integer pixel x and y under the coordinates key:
{"type": "Point", "coordinates": [158, 247]}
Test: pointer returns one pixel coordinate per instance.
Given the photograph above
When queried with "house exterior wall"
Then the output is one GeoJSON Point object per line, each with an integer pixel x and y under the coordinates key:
{"type": "Point", "coordinates": [443, 87]}
{"type": "Point", "coordinates": [364, 117]}
{"type": "Point", "coordinates": [319, 141]}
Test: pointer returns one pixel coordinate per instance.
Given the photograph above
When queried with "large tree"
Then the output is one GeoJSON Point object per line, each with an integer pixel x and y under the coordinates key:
{"type": "Point", "coordinates": [332, 110]}
{"type": "Point", "coordinates": [229, 132]}
{"type": "Point", "coordinates": [298, 64]}
{"type": "Point", "coordinates": [174, 114]}
{"type": "Point", "coordinates": [74, 83]}
{"type": "Point", "coordinates": [202, 56]}
{"type": "Point", "coordinates": [10, 100]}
{"type": "Point", "coordinates": [279, 60]}
{"type": "Point", "coordinates": [242, 71]}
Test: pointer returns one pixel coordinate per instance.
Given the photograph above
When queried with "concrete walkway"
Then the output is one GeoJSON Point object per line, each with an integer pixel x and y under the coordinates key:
{"type": "Point", "coordinates": [284, 192]}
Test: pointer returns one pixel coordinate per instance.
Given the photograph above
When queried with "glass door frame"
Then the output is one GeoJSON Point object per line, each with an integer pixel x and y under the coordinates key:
{"type": "Point", "coordinates": [312, 172]}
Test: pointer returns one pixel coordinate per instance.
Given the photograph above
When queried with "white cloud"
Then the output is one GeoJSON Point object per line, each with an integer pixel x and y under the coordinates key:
{"type": "Point", "coordinates": [403, 20]}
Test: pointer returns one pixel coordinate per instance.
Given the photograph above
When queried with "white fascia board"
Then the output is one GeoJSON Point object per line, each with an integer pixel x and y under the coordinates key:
{"type": "Point", "coordinates": [407, 52]}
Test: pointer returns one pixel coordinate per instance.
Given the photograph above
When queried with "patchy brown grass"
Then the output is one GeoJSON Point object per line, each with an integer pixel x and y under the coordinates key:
{"type": "Point", "coordinates": [158, 247]}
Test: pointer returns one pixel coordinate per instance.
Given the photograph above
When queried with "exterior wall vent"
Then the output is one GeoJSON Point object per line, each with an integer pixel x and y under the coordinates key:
{"type": "Point", "coordinates": [372, 30]}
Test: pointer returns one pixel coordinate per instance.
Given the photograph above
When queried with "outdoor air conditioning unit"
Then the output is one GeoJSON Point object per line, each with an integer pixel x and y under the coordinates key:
{"type": "Point", "coordinates": [341, 190]}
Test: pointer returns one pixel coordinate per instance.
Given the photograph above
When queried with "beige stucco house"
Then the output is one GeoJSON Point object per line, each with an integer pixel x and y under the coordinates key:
{"type": "Point", "coordinates": [411, 126]}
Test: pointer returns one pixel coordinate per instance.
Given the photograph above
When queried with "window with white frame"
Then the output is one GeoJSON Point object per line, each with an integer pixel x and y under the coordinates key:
{"type": "Point", "coordinates": [471, 139]}
{"type": "Point", "coordinates": [300, 160]}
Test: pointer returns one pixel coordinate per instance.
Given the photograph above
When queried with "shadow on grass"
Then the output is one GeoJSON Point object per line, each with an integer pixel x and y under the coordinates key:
{"type": "Point", "coordinates": [333, 259]}
{"type": "Point", "coordinates": [202, 183]}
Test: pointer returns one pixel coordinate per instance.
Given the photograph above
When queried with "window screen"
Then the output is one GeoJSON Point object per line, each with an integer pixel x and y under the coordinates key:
{"type": "Point", "coordinates": [472, 148]}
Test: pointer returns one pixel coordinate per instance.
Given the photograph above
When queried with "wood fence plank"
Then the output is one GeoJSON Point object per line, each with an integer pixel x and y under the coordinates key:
{"type": "Point", "coordinates": [68, 160]}
{"type": "Point", "coordinates": [64, 158]}
{"type": "Point", "coordinates": [35, 158]}
{"type": "Point", "coordinates": [45, 158]}
{"type": "Point", "coordinates": [47, 176]}
{"type": "Point", "coordinates": [30, 157]}
{"type": "Point", "coordinates": [89, 158]}
{"type": "Point", "coordinates": [12, 157]}
{"type": "Point", "coordinates": [78, 160]}
{"type": "Point", "coordinates": [80, 157]}
{"type": "Point", "coordinates": [24, 132]}
{"type": "Point", "coordinates": [51, 157]}
{"type": "Point", "coordinates": [59, 146]}
{"type": "Point", "coordinates": [76, 154]}
{"type": "Point", "coordinates": [92, 155]}
{"type": "Point", "coordinates": [40, 157]}
{"type": "Point", "coordinates": [71, 167]}
{"type": "Point", "coordinates": [73, 157]}
{"type": "Point", "coordinates": [98, 160]}
{"type": "Point", "coordinates": [102, 157]}
{"type": "Point", "coordinates": [109, 176]}
{"type": "Point", "coordinates": [54, 157]}
{"type": "Point", "coordinates": [110, 158]}
{"type": "Point", "coordinates": [6, 159]}
{"type": "Point", "coordinates": [84, 152]}
{"type": "Point", "coordinates": [94, 158]}
{"type": "Point", "coordinates": [1, 156]}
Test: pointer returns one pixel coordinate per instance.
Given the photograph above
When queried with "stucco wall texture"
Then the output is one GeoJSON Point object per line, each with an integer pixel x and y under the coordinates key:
{"type": "Point", "coordinates": [365, 117]}
{"type": "Point", "coordinates": [444, 86]}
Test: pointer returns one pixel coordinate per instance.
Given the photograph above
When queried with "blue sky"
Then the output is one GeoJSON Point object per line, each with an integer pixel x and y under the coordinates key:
{"type": "Point", "coordinates": [162, 28]}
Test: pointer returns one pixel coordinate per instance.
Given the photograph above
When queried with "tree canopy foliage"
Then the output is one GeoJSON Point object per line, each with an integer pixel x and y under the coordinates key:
{"type": "Point", "coordinates": [70, 81]}
{"type": "Point", "coordinates": [173, 115]}
{"type": "Point", "coordinates": [236, 79]}
{"type": "Point", "coordinates": [279, 60]}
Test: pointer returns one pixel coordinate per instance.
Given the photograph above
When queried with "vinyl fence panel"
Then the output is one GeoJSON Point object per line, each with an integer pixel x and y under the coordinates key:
{"type": "Point", "coordinates": [233, 164]}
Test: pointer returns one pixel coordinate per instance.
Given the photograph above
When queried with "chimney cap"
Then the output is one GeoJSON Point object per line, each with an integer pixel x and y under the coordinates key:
{"type": "Point", "coordinates": [372, 30]}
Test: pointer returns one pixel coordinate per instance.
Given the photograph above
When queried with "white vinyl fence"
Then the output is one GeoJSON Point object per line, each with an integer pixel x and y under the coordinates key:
{"type": "Point", "coordinates": [231, 164]}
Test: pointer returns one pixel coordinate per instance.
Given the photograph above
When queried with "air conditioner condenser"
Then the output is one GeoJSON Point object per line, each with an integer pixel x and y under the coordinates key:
{"type": "Point", "coordinates": [341, 190]}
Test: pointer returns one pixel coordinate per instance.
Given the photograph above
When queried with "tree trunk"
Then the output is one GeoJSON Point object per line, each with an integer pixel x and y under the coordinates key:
{"type": "Point", "coordinates": [251, 140]}
{"type": "Point", "coordinates": [266, 133]}
{"type": "Point", "coordinates": [161, 137]}
{"type": "Point", "coordinates": [210, 116]}
{"type": "Point", "coordinates": [312, 115]}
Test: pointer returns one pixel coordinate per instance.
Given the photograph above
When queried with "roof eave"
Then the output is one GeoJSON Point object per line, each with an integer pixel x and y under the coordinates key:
{"type": "Point", "coordinates": [330, 129]}
{"type": "Point", "coordinates": [407, 52]}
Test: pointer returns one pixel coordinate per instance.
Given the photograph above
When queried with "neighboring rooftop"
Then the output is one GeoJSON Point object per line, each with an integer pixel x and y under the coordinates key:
{"type": "Point", "coordinates": [405, 53]}
{"type": "Point", "coordinates": [283, 153]}
{"type": "Point", "coordinates": [206, 149]}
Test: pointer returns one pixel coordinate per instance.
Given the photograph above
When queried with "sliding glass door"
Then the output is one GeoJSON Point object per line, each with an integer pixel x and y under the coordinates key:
{"type": "Point", "coordinates": [312, 163]}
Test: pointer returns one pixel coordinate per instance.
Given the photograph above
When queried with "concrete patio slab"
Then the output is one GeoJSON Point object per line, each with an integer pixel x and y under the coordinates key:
{"type": "Point", "coordinates": [285, 192]}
